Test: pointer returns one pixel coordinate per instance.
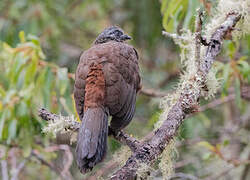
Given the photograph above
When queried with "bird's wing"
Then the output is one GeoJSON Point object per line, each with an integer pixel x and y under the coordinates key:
{"type": "Point", "coordinates": [79, 87]}
{"type": "Point", "coordinates": [122, 83]}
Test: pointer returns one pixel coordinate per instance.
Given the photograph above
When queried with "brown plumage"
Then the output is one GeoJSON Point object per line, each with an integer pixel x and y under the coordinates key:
{"type": "Point", "coordinates": [107, 80]}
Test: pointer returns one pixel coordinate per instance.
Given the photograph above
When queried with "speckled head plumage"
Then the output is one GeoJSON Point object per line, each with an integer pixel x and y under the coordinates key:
{"type": "Point", "coordinates": [112, 33]}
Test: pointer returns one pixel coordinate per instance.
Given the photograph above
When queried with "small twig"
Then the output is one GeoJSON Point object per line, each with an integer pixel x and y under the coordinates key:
{"type": "Point", "coordinates": [124, 138]}
{"type": "Point", "coordinates": [16, 169]}
{"type": "Point", "coordinates": [35, 154]}
{"type": "Point", "coordinates": [246, 170]}
{"type": "Point", "coordinates": [65, 172]}
{"type": "Point", "coordinates": [234, 162]}
{"type": "Point", "coordinates": [152, 92]}
{"type": "Point", "coordinates": [223, 173]}
{"type": "Point", "coordinates": [217, 102]}
{"type": "Point", "coordinates": [19, 169]}
{"type": "Point", "coordinates": [184, 163]}
{"type": "Point", "coordinates": [245, 94]}
{"type": "Point", "coordinates": [174, 36]}
{"type": "Point", "coordinates": [47, 116]}
{"type": "Point", "coordinates": [198, 27]}
{"type": "Point", "coordinates": [183, 176]}
{"type": "Point", "coordinates": [13, 161]}
{"type": "Point", "coordinates": [104, 170]}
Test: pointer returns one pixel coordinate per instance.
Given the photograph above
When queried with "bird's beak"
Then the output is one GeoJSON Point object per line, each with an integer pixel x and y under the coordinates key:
{"type": "Point", "coordinates": [125, 37]}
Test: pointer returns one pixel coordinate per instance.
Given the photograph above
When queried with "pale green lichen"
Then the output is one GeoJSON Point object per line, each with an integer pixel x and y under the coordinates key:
{"type": "Point", "coordinates": [213, 84]}
{"type": "Point", "coordinates": [59, 124]}
{"type": "Point", "coordinates": [73, 137]}
{"type": "Point", "coordinates": [144, 171]}
{"type": "Point", "coordinates": [166, 104]}
{"type": "Point", "coordinates": [187, 51]}
{"type": "Point", "coordinates": [167, 159]}
{"type": "Point", "coordinates": [223, 8]}
{"type": "Point", "coordinates": [122, 155]}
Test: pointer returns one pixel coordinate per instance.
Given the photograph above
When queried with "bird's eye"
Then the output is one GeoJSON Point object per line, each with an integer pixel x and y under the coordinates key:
{"type": "Point", "coordinates": [118, 33]}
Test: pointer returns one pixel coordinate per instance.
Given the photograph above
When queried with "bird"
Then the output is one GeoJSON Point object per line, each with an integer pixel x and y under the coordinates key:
{"type": "Point", "coordinates": [107, 81]}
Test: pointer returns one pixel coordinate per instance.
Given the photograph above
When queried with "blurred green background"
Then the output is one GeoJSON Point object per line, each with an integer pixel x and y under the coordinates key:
{"type": "Point", "coordinates": [40, 45]}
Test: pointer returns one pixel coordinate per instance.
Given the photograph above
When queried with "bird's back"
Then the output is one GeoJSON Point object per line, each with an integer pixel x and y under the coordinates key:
{"type": "Point", "coordinates": [119, 63]}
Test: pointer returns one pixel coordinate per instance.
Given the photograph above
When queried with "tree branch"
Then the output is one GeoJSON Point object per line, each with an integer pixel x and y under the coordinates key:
{"type": "Point", "coordinates": [149, 151]}
{"type": "Point", "coordinates": [74, 126]}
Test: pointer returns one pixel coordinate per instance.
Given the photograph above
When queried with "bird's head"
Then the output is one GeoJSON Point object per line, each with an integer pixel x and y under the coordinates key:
{"type": "Point", "coordinates": [112, 33]}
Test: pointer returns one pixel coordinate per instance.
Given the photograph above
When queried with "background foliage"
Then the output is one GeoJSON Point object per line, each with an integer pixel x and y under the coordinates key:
{"type": "Point", "coordinates": [40, 45]}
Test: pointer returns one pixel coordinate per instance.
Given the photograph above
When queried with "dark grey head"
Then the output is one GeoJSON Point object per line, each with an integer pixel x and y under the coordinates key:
{"type": "Point", "coordinates": [112, 33]}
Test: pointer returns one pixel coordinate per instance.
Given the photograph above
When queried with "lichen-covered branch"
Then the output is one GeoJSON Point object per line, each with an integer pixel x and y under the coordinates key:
{"type": "Point", "coordinates": [189, 97]}
{"type": "Point", "coordinates": [58, 123]}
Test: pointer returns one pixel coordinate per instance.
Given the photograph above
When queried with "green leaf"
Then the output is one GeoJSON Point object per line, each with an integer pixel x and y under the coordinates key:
{"type": "Point", "coordinates": [207, 156]}
{"type": "Point", "coordinates": [231, 49]}
{"type": "Point", "coordinates": [47, 86]}
{"type": "Point", "coordinates": [12, 129]}
{"type": "Point", "coordinates": [2, 120]}
{"type": "Point", "coordinates": [62, 74]}
{"type": "Point", "coordinates": [205, 120]}
{"type": "Point", "coordinates": [154, 118]}
{"type": "Point", "coordinates": [237, 93]}
{"type": "Point", "coordinates": [226, 78]}
{"type": "Point", "coordinates": [226, 142]}
{"type": "Point", "coordinates": [22, 36]}
{"type": "Point", "coordinates": [18, 64]}
{"type": "Point", "coordinates": [173, 6]}
{"type": "Point", "coordinates": [244, 68]}
{"type": "Point", "coordinates": [63, 102]}
{"type": "Point", "coordinates": [34, 39]}
{"type": "Point", "coordinates": [27, 148]}
{"type": "Point", "coordinates": [22, 109]}
{"type": "Point", "coordinates": [31, 70]}
{"type": "Point", "coordinates": [2, 91]}
{"type": "Point", "coordinates": [9, 95]}
{"type": "Point", "coordinates": [178, 12]}
{"type": "Point", "coordinates": [206, 145]}
{"type": "Point", "coordinates": [164, 6]}
{"type": "Point", "coordinates": [191, 11]}
{"type": "Point", "coordinates": [27, 92]}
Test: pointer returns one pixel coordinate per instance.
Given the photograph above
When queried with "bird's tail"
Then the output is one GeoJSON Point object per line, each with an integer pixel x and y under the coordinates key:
{"type": "Point", "coordinates": [92, 138]}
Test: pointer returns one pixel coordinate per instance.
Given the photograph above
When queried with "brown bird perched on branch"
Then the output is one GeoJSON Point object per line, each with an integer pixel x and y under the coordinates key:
{"type": "Point", "coordinates": [106, 83]}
